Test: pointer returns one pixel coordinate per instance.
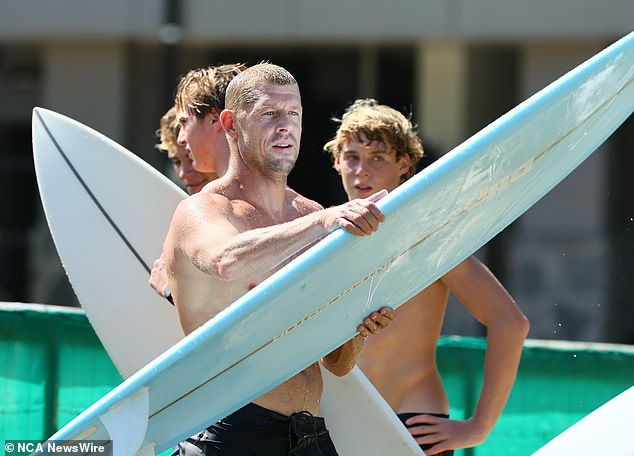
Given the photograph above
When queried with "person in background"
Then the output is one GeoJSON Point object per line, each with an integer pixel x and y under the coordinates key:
{"type": "Point", "coordinates": [199, 99]}
{"type": "Point", "coordinates": [192, 180]}
{"type": "Point", "coordinates": [377, 147]}
{"type": "Point", "coordinates": [191, 129]}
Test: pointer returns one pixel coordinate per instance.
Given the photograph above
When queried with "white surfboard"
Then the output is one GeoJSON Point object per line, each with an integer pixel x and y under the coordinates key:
{"type": "Point", "coordinates": [607, 430]}
{"type": "Point", "coordinates": [345, 402]}
{"type": "Point", "coordinates": [312, 305]}
{"type": "Point", "coordinates": [108, 212]}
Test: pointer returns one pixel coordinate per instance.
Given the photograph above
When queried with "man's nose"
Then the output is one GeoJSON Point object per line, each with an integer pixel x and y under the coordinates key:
{"type": "Point", "coordinates": [180, 139]}
{"type": "Point", "coordinates": [284, 123]}
{"type": "Point", "coordinates": [361, 168]}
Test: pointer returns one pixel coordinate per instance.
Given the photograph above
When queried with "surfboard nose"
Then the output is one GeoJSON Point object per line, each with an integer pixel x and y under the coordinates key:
{"type": "Point", "coordinates": [39, 113]}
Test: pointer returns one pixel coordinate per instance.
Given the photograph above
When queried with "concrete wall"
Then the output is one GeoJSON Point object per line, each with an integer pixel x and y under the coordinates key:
{"type": "Point", "coordinates": [205, 20]}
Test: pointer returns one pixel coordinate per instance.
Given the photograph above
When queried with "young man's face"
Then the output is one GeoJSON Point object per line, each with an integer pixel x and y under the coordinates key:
{"type": "Point", "coordinates": [193, 180]}
{"type": "Point", "coordinates": [366, 169]}
{"type": "Point", "coordinates": [197, 136]}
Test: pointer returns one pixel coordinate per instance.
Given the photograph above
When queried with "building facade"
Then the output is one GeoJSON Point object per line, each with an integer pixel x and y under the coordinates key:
{"type": "Point", "coordinates": [455, 65]}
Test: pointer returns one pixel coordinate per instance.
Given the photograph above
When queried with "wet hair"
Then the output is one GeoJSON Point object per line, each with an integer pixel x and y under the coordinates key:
{"type": "Point", "coordinates": [365, 120]}
{"type": "Point", "coordinates": [168, 133]}
{"type": "Point", "coordinates": [242, 91]}
{"type": "Point", "coordinates": [203, 90]}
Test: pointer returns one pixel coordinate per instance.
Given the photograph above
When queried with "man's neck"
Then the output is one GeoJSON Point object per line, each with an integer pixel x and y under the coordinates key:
{"type": "Point", "coordinates": [267, 194]}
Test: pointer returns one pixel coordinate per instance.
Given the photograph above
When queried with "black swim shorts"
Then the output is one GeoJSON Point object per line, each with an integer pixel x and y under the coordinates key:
{"type": "Point", "coordinates": [256, 431]}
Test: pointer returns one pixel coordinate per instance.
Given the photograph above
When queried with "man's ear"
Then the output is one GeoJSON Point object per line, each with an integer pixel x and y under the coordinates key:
{"type": "Point", "coordinates": [404, 163]}
{"type": "Point", "coordinates": [337, 163]}
{"type": "Point", "coordinates": [227, 121]}
{"type": "Point", "coordinates": [213, 117]}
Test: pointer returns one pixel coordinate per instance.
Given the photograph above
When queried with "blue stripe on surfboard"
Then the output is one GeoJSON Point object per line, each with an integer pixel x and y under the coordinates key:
{"type": "Point", "coordinates": [91, 194]}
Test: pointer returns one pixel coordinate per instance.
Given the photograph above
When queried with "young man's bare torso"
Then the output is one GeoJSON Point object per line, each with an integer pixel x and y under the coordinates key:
{"type": "Point", "coordinates": [406, 385]}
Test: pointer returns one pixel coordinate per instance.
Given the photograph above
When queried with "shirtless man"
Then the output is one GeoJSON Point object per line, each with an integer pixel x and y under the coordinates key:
{"type": "Point", "coordinates": [240, 229]}
{"type": "Point", "coordinates": [376, 147]}
{"type": "Point", "coordinates": [191, 128]}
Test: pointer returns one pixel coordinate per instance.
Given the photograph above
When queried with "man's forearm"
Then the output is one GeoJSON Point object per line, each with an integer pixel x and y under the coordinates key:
{"type": "Point", "coordinates": [343, 359]}
{"type": "Point", "coordinates": [264, 249]}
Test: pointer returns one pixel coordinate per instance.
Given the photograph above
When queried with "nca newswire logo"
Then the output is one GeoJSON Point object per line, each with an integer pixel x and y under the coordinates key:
{"type": "Point", "coordinates": [58, 447]}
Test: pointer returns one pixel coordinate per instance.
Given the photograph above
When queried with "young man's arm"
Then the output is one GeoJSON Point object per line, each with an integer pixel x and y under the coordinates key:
{"type": "Point", "coordinates": [158, 278]}
{"type": "Point", "coordinates": [507, 327]}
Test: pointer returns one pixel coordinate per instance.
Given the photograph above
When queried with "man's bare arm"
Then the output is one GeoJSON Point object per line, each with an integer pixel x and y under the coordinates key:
{"type": "Point", "coordinates": [158, 277]}
{"type": "Point", "coordinates": [220, 250]}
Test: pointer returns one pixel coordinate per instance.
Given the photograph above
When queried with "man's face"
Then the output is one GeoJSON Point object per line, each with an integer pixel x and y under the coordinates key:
{"type": "Point", "coordinates": [193, 180]}
{"type": "Point", "coordinates": [366, 169]}
{"type": "Point", "coordinates": [196, 135]}
{"type": "Point", "coordinates": [271, 128]}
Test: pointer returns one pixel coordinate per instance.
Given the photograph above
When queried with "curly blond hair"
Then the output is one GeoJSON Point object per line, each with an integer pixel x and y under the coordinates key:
{"type": "Point", "coordinates": [365, 120]}
{"type": "Point", "coordinates": [168, 133]}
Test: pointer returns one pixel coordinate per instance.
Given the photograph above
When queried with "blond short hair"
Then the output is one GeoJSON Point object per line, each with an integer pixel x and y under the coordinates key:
{"type": "Point", "coordinates": [242, 92]}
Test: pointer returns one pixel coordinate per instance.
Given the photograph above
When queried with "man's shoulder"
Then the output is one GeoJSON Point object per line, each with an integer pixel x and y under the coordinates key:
{"type": "Point", "coordinates": [202, 204]}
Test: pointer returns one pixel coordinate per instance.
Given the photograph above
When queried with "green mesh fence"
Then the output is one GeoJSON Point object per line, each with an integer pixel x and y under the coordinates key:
{"type": "Point", "coordinates": [53, 367]}
{"type": "Point", "coordinates": [558, 383]}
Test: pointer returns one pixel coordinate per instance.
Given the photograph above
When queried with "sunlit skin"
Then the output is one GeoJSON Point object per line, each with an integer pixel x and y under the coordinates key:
{"type": "Point", "coordinates": [204, 141]}
{"type": "Point", "coordinates": [192, 180]}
